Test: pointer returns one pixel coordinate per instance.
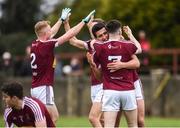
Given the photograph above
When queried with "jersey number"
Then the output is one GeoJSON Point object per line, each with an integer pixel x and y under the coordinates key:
{"type": "Point", "coordinates": [33, 65]}
{"type": "Point", "coordinates": [114, 58]}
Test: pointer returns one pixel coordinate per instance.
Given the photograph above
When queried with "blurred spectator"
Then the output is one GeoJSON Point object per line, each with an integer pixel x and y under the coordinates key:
{"type": "Point", "coordinates": [7, 64]}
{"type": "Point", "coordinates": [146, 47]}
{"type": "Point", "coordinates": [76, 67]}
{"type": "Point", "coordinates": [17, 65]}
{"type": "Point", "coordinates": [25, 69]}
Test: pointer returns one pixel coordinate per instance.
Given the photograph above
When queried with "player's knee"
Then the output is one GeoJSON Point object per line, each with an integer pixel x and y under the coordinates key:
{"type": "Point", "coordinates": [93, 118]}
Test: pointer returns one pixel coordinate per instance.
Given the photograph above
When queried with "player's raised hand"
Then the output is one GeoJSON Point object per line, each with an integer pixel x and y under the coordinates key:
{"type": "Point", "coordinates": [67, 19]}
{"type": "Point", "coordinates": [65, 14]}
{"type": "Point", "coordinates": [87, 18]}
{"type": "Point", "coordinates": [89, 24]}
{"type": "Point", "coordinates": [127, 30]}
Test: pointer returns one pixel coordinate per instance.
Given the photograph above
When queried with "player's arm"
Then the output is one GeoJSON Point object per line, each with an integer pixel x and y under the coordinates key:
{"type": "Point", "coordinates": [55, 28]}
{"type": "Point", "coordinates": [9, 124]}
{"type": "Point", "coordinates": [96, 71]}
{"type": "Point", "coordinates": [89, 24]}
{"type": "Point", "coordinates": [57, 25]}
{"type": "Point", "coordinates": [41, 123]}
{"type": "Point", "coordinates": [128, 31]}
{"type": "Point", "coordinates": [75, 30]}
{"type": "Point", "coordinates": [73, 41]}
{"type": "Point", "coordinates": [132, 64]}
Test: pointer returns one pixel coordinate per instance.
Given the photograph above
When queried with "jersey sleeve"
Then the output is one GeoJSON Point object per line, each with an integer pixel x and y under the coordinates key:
{"type": "Point", "coordinates": [38, 110]}
{"type": "Point", "coordinates": [131, 48]}
{"type": "Point", "coordinates": [52, 43]}
{"type": "Point", "coordinates": [7, 119]}
{"type": "Point", "coordinates": [49, 47]}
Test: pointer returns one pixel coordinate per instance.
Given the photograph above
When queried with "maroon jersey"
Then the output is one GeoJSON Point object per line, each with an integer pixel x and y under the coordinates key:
{"type": "Point", "coordinates": [90, 49]}
{"type": "Point", "coordinates": [42, 58]}
{"type": "Point", "coordinates": [115, 50]}
{"type": "Point", "coordinates": [135, 75]}
{"type": "Point", "coordinates": [32, 111]}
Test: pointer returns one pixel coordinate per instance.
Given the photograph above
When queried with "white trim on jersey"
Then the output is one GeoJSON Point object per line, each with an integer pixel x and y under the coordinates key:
{"type": "Point", "coordinates": [122, 41]}
{"type": "Point", "coordinates": [6, 114]}
{"type": "Point", "coordinates": [46, 40]}
{"type": "Point", "coordinates": [35, 108]}
{"type": "Point", "coordinates": [56, 44]}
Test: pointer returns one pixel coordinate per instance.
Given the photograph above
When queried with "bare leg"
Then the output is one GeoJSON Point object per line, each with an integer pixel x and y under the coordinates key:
{"type": "Point", "coordinates": [118, 118]}
{"type": "Point", "coordinates": [52, 109]}
{"type": "Point", "coordinates": [141, 113]}
{"type": "Point", "coordinates": [131, 117]}
{"type": "Point", "coordinates": [95, 114]}
{"type": "Point", "coordinates": [110, 119]}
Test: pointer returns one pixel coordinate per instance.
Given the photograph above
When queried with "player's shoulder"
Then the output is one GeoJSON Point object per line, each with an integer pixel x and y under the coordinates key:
{"type": "Point", "coordinates": [96, 42]}
{"type": "Point", "coordinates": [32, 103]}
{"type": "Point", "coordinates": [126, 41]}
{"type": "Point", "coordinates": [28, 100]}
{"type": "Point", "coordinates": [51, 40]}
{"type": "Point", "coordinates": [44, 41]}
{"type": "Point", "coordinates": [93, 43]}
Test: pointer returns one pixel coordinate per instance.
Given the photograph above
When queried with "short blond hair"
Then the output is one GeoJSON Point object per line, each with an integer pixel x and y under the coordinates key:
{"type": "Point", "coordinates": [39, 26]}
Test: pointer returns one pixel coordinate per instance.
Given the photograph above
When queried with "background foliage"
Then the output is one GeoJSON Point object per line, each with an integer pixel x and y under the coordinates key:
{"type": "Point", "coordinates": [160, 19]}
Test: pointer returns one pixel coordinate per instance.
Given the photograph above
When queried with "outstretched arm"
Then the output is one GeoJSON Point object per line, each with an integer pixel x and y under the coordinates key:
{"type": "Point", "coordinates": [90, 25]}
{"type": "Point", "coordinates": [75, 30]}
{"type": "Point", "coordinates": [132, 64]}
{"type": "Point", "coordinates": [128, 31]}
{"type": "Point", "coordinates": [73, 41]}
{"type": "Point", "coordinates": [56, 26]}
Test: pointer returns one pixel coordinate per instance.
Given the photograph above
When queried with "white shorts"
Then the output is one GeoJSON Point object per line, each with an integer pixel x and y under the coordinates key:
{"type": "Point", "coordinates": [138, 90]}
{"type": "Point", "coordinates": [97, 93]}
{"type": "Point", "coordinates": [44, 93]}
{"type": "Point", "coordinates": [114, 100]}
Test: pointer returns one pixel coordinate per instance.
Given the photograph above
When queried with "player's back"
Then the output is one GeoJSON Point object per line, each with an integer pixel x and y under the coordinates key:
{"type": "Point", "coordinates": [115, 50]}
{"type": "Point", "coordinates": [42, 58]}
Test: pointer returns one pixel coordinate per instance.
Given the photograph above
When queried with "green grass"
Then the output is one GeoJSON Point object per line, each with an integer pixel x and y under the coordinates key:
{"type": "Point", "coordinates": [66, 121]}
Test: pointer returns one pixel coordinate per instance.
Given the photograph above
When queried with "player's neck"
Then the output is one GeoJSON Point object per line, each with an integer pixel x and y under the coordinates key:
{"type": "Point", "coordinates": [19, 104]}
{"type": "Point", "coordinates": [114, 37]}
{"type": "Point", "coordinates": [42, 38]}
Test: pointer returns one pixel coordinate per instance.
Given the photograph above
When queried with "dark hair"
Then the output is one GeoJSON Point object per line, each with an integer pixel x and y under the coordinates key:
{"type": "Point", "coordinates": [13, 89]}
{"type": "Point", "coordinates": [97, 27]}
{"type": "Point", "coordinates": [113, 26]}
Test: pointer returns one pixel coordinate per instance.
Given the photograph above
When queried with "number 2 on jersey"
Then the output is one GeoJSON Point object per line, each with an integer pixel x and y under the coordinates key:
{"type": "Point", "coordinates": [33, 65]}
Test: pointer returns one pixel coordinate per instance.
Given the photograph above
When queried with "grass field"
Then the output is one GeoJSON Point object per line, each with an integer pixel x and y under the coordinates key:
{"type": "Point", "coordinates": [65, 121]}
